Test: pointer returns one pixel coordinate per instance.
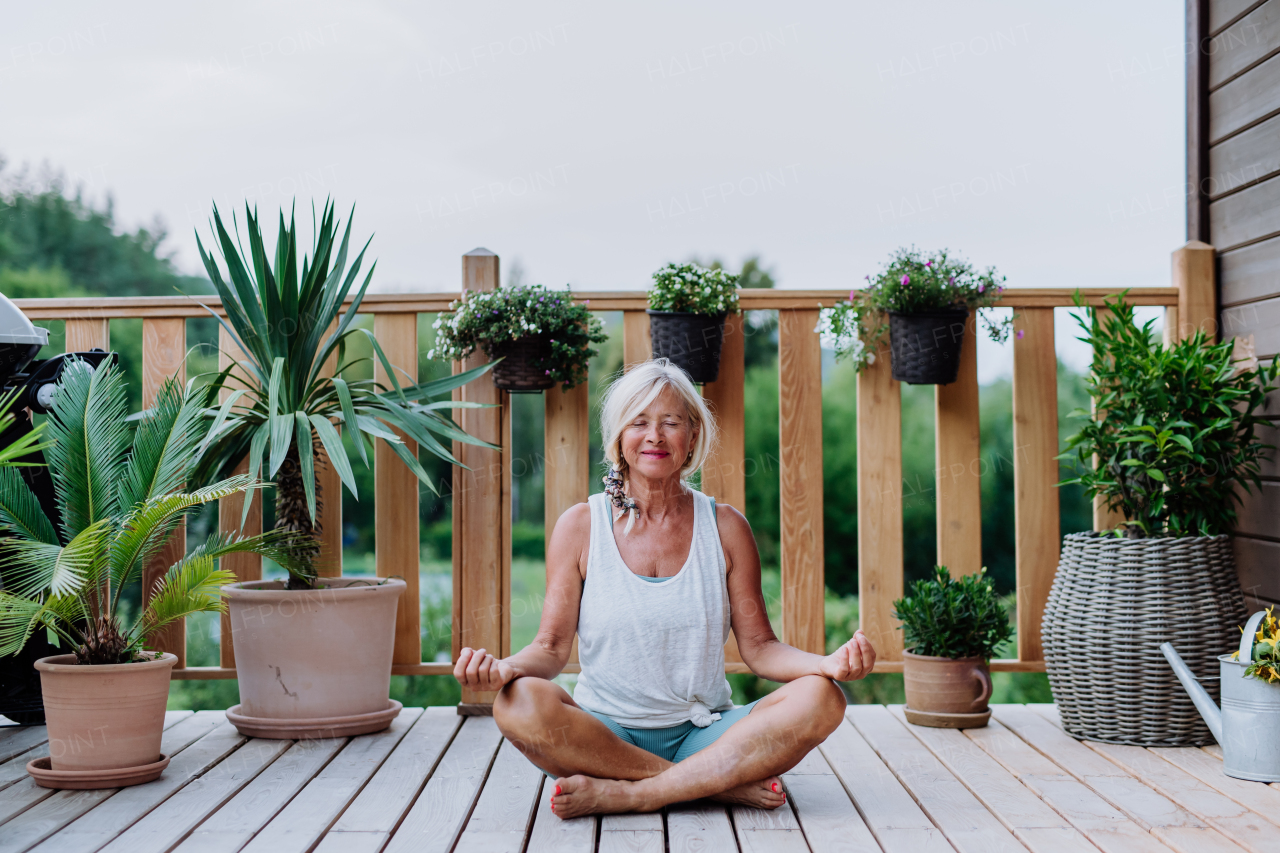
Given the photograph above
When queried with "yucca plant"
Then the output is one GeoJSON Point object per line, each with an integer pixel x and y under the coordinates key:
{"type": "Point", "coordinates": [279, 315]}
{"type": "Point", "coordinates": [120, 492]}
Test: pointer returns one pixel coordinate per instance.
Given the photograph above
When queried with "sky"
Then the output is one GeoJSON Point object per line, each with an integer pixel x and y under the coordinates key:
{"type": "Point", "coordinates": [591, 143]}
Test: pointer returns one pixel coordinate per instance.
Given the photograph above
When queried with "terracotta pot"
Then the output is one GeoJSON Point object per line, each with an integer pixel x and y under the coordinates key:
{"type": "Point", "coordinates": [946, 685]}
{"type": "Point", "coordinates": [322, 654]}
{"type": "Point", "coordinates": [104, 717]}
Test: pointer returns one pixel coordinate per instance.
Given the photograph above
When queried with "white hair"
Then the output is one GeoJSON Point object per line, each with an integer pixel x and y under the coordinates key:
{"type": "Point", "coordinates": [633, 391]}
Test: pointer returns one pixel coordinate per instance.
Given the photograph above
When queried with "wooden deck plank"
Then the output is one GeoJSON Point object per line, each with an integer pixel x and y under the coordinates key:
{"type": "Point", "coordinates": [1263, 799]}
{"type": "Point", "coordinates": [826, 814]}
{"type": "Point", "coordinates": [85, 820]}
{"type": "Point", "coordinates": [234, 825]}
{"type": "Point", "coordinates": [441, 810]}
{"type": "Point", "coordinates": [173, 819]}
{"type": "Point", "coordinates": [949, 804]}
{"type": "Point", "coordinates": [552, 835]}
{"type": "Point", "coordinates": [16, 741]}
{"type": "Point", "coordinates": [1218, 810]}
{"type": "Point", "coordinates": [698, 826]}
{"type": "Point", "coordinates": [768, 829]}
{"type": "Point", "coordinates": [391, 791]}
{"type": "Point", "coordinates": [503, 815]}
{"type": "Point", "coordinates": [892, 815]}
{"type": "Point", "coordinates": [300, 825]}
{"type": "Point", "coordinates": [1037, 825]}
{"type": "Point", "coordinates": [24, 793]}
{"type": "Point", "coordinates": [632, 840]}
{"type": "Point", "coordinates": [1165, 819]}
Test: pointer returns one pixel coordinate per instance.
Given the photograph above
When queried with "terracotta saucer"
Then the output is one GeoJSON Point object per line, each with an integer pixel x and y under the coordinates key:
{"type": "Point", "coordinates": [42, 772]}
{"type": "Point", "coordinates": [939, 720]}
{"type": "Point", "coordinates": [286, 729]}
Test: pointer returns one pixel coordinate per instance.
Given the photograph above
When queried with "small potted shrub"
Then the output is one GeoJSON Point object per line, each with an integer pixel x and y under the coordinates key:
{"type": "Point", "coordinates": [1173, 433]}
{"type": "Point", "coordinates": [951, 629]}
{"type": "Point", "coordinates": [121, 493]}
{"type": "Point", "coordinates": [687, 307]}
{"type": "Point", "coordinates": [539, 337]}
{"type": "Point", "coordinates": [923, 302]}
{"type": "Point", "coordinates": [328, 641]}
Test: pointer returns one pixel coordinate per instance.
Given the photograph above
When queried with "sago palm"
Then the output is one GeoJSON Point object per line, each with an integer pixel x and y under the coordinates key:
{"type": "Point", "coordinates": [286, 320]}
{"type": "Point", "coordinates": [120, 492]}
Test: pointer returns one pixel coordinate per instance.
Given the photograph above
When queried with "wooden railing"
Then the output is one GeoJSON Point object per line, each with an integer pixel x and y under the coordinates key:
{"type": "Point", "coordinates": [482, 494]}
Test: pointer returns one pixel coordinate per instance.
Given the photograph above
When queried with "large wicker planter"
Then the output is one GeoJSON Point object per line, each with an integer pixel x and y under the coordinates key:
{"type": "Point", "coordinates": [926, 345]}
{"type": "Point", "coordinates": [689, 341]}
{"type": "Point", "coordinates": [1113, 602]}
{"type": "Point", "coordinates": [523, 369]}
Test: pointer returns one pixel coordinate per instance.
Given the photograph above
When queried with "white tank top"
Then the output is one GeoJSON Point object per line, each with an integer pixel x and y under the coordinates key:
{"type": "Point", "coordinates": [652, 653]}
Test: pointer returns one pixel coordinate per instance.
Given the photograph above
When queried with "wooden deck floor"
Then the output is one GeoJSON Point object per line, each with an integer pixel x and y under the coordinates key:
{"type": "Point", "coordinates": [438, 782]}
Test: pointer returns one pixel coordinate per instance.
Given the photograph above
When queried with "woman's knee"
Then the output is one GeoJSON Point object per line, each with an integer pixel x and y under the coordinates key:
{"type": "Point", "coordinates": [827, 701]}
{"type": "Point", "coordinates": [525, 702]}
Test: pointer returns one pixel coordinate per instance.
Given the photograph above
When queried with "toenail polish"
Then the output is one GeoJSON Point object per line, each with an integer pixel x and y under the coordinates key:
{"type": "Point", "coordinates": [557, 789]}
{"type": "Point", "coordinates": [775, 787]}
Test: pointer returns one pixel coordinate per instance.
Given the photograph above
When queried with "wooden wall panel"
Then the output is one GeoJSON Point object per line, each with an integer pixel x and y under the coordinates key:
{"type": "Point", "coordinates": [1259, 511]}
{"type": "Point", "coordinates": [1260, 319]}
{"type": "Point", "coordinates": [481, 551]}
{"type": "Point", "coordinates": [800, 480]}
{"type": "Point", "coordinates": [957, 465]}
{"type": "Point", "coordinates": [1256, 562]}
{"type": "Point", "coordinates": [1247, 216]}
{"type": "Point", "coordinates": [164, 353]}
{"type": "Point", "coordinates": [247, 567]}
{"type": "Point", "coordinates": [1250, 273]}
{"type": "Point", "coordinates": [1245, 101]}
{"type": "Point", "coordinates": [880, 553]}
{"type": "Point", "coordinates": [636, 343]}
{"type": "Point", "coordinates": [1245, 158]}
{"type": "Point", "coordinates": [395, 500]}
{"type": "Point", "coordinates": [1035, 471]}
{"type": "Point", "coordinates": [1244, 44]}
{"type": "Point", "coordinates": [1224, 13]}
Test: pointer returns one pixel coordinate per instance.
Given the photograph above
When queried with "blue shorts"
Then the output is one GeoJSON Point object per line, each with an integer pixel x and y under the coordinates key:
{"type": "Point", "coordinates": [675, 743]}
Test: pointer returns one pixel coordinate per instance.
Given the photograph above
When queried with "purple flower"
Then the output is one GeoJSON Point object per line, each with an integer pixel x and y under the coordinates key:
{"type": "Point", "coordinates": [906, 279]}
{"type": "Point", "coordinates": [548, 372]}
{"type": "Point", "coordinates": [1021, 332]}
{"type": "Point", "coordinates": [853, 294]}
{"type": "Point", "coordinates": [540, 298]}
{"type": "Point", "coordinates": [928, 263]}
{"type": "Point", "coordinates": [981, 287]}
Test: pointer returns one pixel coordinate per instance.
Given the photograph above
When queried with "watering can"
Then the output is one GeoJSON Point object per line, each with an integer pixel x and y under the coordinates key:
{"type": "Point", "coordinates": [1250, 711]}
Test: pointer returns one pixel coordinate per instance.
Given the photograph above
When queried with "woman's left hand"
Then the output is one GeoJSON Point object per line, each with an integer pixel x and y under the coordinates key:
{"type": "Point", "coordinates": [851, 661]}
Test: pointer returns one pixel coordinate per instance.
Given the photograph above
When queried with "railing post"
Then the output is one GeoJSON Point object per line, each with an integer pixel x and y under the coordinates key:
{"type": "Point", "coordinates": [567, 447]}
{"type": "Point", "coordinates": [1037, 538]}
{"type": "Point", "coordinates": [84, 335]}
{"type": "Point", "coordinates": [481, 559]}
{"type": "Point", "coordinates": [800, 479]}
{"type": "Point", "coordinates": [246, 567]}
{"type": "Point", "coordinates": [395, 501]}
{"type": "Point", "coordinates": [637, 346]}
{"type": "Point", "coordinates": [164, 353]}
{"type": "Point", "coordinates": [958, 457]}
{"type": "Point", "coordinates": [1193, 275]}
{"type": "Point", "coordinates": [880, 549]}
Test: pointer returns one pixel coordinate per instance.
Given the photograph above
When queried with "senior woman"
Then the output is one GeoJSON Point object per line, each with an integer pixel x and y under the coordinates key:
{"type": "Point", "coordinates": [651, 575]}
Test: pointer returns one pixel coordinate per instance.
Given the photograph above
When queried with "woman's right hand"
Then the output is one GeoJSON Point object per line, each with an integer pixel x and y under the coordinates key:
{"type": "Point", "coordinates": [480, 671]}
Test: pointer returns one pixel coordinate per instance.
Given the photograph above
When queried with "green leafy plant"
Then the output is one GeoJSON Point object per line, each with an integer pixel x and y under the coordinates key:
{"type": "Point", "coordinates": [286, 320]}
{"type": "Point", "coordinates": [14, 453]}
{"type": "Point", "coordinates": [488, 318]}
{"type": "Point", "coordinates": [692, 289]}
{"type": "Point", "coordinates": [120, 493]}
{"type": "Point", "coordinates": [948, 618]}
{"type": "Point", "coordinates": [1172, 428]}
{"type": "Point", "coordinates": [1265, 662]}
{"type": "Point", "coordinates": [911, 282]}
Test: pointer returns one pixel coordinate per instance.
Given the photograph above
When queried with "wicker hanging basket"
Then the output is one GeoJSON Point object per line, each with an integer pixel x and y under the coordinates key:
{"type": "Point", "coordinates": [523, 369]}
{"type": "Point", "coordinates": [689, 341]}
{"type": "Point", "coordinates": [1113, 602]}
{"type": "Point", "coordinates": [926, 345]}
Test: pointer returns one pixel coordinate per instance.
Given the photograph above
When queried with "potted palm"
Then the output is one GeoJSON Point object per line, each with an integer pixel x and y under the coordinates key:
{"type": "Point", "coordinates": [1173, 434]}
{"type": "Point", "coordinates": [121, 495]}
{"type": "Point", "coordinates": [540, 337]}
{"type": "Point", "coordinates": [687, 307]}
{"type": "Point", "coordinates": [951, 629]}
{"type": "Point", "coordinates": [313, 654]}
{"type": "Point", "coordinates": [923, 302]}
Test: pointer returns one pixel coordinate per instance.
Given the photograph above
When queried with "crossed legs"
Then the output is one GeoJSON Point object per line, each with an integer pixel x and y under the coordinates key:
{"type": "Point", "coordinates": [598, 772]}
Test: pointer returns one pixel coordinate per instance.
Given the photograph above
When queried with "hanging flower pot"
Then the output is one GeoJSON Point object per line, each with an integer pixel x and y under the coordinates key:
{"type": "Point", "coordinates": [525, 365]}
{"type": "Point", "coordinates": [687, 307]}
{"type": "Point", "coordinates": [542, 336]}
{"type": "Point", "coordinates": [691, 342]}
{"type": "Point", "coordinates": [926, 345]}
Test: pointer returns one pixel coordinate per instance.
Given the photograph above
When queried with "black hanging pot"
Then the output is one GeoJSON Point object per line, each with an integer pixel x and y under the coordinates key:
{"type": "Point", "coordinates": [524, 365]}
{"type": "Point", "coordinates": [926, 345]}
{"type": "Point", "coordinates": [689, 341]}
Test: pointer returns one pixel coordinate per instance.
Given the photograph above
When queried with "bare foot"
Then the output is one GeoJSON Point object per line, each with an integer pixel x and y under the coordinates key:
{"type": "Point", "coordinates": [575, 796]}
{"type": "Point", "coordinates": [765, 794]}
